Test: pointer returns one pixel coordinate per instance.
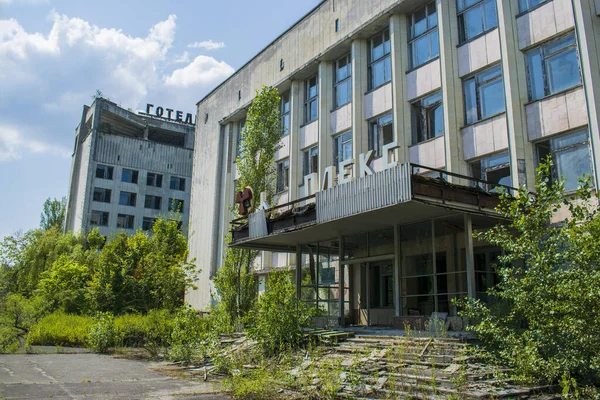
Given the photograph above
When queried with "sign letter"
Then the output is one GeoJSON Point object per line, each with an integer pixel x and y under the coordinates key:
{"type": "Point", "coordinates": [364, 164]}
{"type": "Point", "coordinates": [311, 183]}
{"type": "Point", "coordinates": [148, 107]}
{"type": "Point", "coordinates": [188, 118]}
{"type": "Point", "coordinates": [389, 162]}
{"type": "Point", "coordinates": [159, 111]}
{"type": "Point", "coordinates": [329, 178]}
{"type": "Point", "coordinates": [169, 112]}
{"type": "Point", "coordinates": [178, 115]}
{"type": "Point", "coordinates": [346, 173]}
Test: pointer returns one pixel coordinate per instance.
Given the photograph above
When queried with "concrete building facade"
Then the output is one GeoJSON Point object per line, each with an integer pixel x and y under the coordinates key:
{"type": "Point", "coordinates": [382, 102]}
{"type": "Point", "coordinates": [126, 169]}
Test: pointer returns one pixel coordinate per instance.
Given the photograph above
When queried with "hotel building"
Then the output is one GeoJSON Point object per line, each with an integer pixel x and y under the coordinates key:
{"type": "Point", "coordinates": [128, 168]}
{"type": "Point", "coordinates": [401, 118]}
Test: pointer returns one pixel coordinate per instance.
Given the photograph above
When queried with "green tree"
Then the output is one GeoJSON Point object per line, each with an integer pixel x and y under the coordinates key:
{"type": "Point", "coordinates": [235, 281]}
{"type": "Point", "coordinates": [63, 286]}
{"type": "Point", "coordinates": [544, 322]}
{"type": "Point", "coordinates": [279, 317]}
{"type": "Point", "coordinates": [53, 213]}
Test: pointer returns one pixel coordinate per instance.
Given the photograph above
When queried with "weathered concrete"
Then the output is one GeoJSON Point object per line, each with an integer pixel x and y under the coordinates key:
{"type": "Point", "coordinates": [74, 376]}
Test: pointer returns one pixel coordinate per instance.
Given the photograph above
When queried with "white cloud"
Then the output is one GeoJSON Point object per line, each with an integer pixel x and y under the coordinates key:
{"type": "Point", "coordinates": [13, 144]}
{"type": "Point", "coordinates": [207, 45]}
{"type": "Point", "coordinates": [202, 71]}
{"type": "Point", "coordinates": [183, 58]}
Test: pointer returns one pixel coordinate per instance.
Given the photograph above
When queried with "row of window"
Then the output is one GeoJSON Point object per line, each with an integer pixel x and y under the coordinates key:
{"type": "Point", "coordinates": [124, 221]}
{"type": "Point", "coordinates": [153, 202]}
{"type": "Point", "coordinates": [569, 153]}
{"type": "Point", "coordinates": [475, 17]}
{"type": "Point", "coordinates": [132, 175]}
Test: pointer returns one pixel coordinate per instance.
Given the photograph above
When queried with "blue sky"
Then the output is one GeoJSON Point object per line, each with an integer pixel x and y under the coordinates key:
{"type": "Point", "coordinates": [54, 55]}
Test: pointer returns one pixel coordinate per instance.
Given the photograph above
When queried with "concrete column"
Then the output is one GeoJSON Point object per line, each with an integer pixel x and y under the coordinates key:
{"type": "Point", "coordinates": [587, 27]}
{"type": "Point", "coordinates": [295, 156]}
{"type": "Point", "coordinates": [522, 168]}
{"type": "Point", "coordinates": [401, 107]}
{"type": "Point", "coordinates": [452, 96]}
{"type": "Point", "coordinates": [325, 106]}
{"type": "Point", "coordinates": [470, 256]}
{"type": "Point", "coordinates": [360, 128]}
{"type": "Point", "coordinates": [299, 271]}
{"type": "Point", "coordinates": [397, 255]}
{"type": "Point", "coordinates": [341, 280]}
{"type": "Point", "coordinates": [434, 266]}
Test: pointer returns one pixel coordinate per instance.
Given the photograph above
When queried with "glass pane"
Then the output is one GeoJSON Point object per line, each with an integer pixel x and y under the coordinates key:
{"type": "Point", "coordinates": [563, 71]}
{"type": "Point", "coordinates": [421, 305]}
{"type": "Point", "coordinates": [420, 22]}
{"type": "Point", "coordinates": [378, 51]}
{"type": "Point", "coordinates": [432, 18]}
{"type": "Point", "coordinates": [347, 150]}
{"type": "Point", "coordinates": [462, 4]}
{"type": "Point", "coordinates": [473, 21]}
{"type": "Point", "coordinates": [492, 98]}
{"type": "Point", "coordinates": [436, 122]}
{"type": "Point", "coordinates": [420, 51]}
{"type": "Point", "coordinates": [313, 110]}
{"type": "Point", "coordinates": [435, 44]}
{"type": "Point", "coordinates": [571, 164]}
{"type": "Point", "coordinates": [342, 93]}
{"type": "Point", "coordinates": [569, 140]}
{"type": "Point", "coordinates": [355, 246]}
{"type": "Point", "coordinates": [381, 242]}
{"type": "Point", "coordinates": [470, 101]}
{"type": "Point", "coordinates": [490, 14]}
{"type": "Point", "coordinates": [559, 44]}
{"type": "Point", "coordinates": [377, 74]}
{"type": "Point", "coordinates": [536, 79]}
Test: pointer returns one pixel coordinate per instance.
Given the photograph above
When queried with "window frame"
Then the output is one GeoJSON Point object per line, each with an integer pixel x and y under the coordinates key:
{"type": "Point", "coordinates": [107, 170]}
{"type": "Point", "coordinates": [309, 156]}
{"type": "Point", "coordinates": [285, 114]}
{"type": "Point", "coordinates": [134, 175]}
{"type": "Point", "coordinates": [554, 174]}
{"type": "Point", "coordinates": [385, 59]}
{"type": "Point", "coordinates": [412, 38]}
{"type": "Point", "coordinates": [540, 49]}
{"type": "Point", "coordinates": [282, 180]}
{"type": "Point", "coordinates": [425, 113]}
{"type": "Point", "coordinates": [478, 97]}
{"type": "Point", "coordinates": [338, 147]}
{"type": "Point", "coordinates": [309, 101]}
{"type": "Point", "coordinates": [103, 218]}
{"type": "Point", "coordinates": [346, 81]}
{"type": "Point", "coordinates": [132, 195]}
{"type": "Point", "coordinates": [180, 186]}
{"type": "Point", "coordinates": [148, 221]}
{"type": "Point", "coordinates": [485, 170]}
{"type": "Point", "coordinates": [461, 14]}
{"type": "Point", "coordinates": [105, 193]}
{"type": "Point", "coordinates": [129, 221]}
{"type": "Point", "coordinates": [376, 137]}
{"type": "Point", "coordinates": [154, 180]}
{"type": "Point", "coordinates": [525, 5]}
{"type": "Point", "coordinates": [174, 204]}
{"type": "Point", "coordinates": [154, 197]}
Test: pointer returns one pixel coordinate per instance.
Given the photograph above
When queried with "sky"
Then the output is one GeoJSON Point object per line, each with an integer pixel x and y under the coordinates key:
{"type": "Point", "coordinates": [55, 54]}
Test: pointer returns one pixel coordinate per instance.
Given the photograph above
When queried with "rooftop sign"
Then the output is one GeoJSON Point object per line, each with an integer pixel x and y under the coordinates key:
{"type": "Point", "coordinates": [169, 114]}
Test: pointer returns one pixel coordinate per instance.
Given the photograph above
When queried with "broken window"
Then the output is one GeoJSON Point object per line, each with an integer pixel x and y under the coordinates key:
{"type": "Point", "coordinates": [427, 118]}
{"type": "Point", "coordinates": [127, 199]}
{"type": "Point", "coordinates": [381, 132]}
{"type": "Point", "coordinates": [125, 221]}
{"type": "Point", "coordinates": [342, 147]}
{"type": "Point", "coordinates": [570, 155]}
{"type": "Point", "coordinates": [484, 95]}
{"type": "Point", "coordinates": [152, 202]}
{"type": "Point", "coordinates": [99, 218]}
{"type": "Point", "coordinates": [102, 195]}
{"type": "Point", "coordinates": [176, 205]}
{"type": "Point", "coordinates": [104, 172]}
{"type": "Point", "coordinates": [177, 183]}
{"type": "Point", "coordinates": [494, 170]}
{"type": "Point", "coordinates": [283, 175]}
{"type": "Point", "coordinates": [153, 179]}
{"type": "Point", "coordinates": [310, 161]}
{"type": "Point", "coordinates": [129, 175]}
{"type": "Point", "coordinates": [553, 67]}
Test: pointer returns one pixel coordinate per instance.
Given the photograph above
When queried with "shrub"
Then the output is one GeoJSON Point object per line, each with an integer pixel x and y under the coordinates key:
{"type": "Point", "coordinates": [60, 329]}
{"type": "Point", "coordinates": [102, 333]}
{"type": "Point", "coordinates": [192, 336]}
{"type": "Point", "coordinates": [278, 318]}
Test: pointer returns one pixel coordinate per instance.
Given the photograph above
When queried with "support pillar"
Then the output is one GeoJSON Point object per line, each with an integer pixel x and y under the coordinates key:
{"type": "Point", "coordinates": [397, 294]}
{"type": "Point", "coordinates": [325, 106]}
{"type": "Point", "coordinates": [470, 256]}
{"type": "Point", "coordinates": [299, 271]}
{"type": "Point", "coordinates": [360, 137]}
{"type": "Point", "coordinates": [341, 281]}
{"type": "Point", "coordinates": [400, 105]}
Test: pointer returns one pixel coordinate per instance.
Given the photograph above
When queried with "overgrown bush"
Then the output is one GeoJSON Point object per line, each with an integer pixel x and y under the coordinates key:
{"type": "Point", "coordinates": [17, 315]}
{"type": "Point", "coordinates": [103, 334]}
{"type": "Point", "coordinates": [278, 319]}
{"type": "Point", "coordinates": [548, 328]}
{"type": "Point", "coordinates": [192, 336]}
{"type": "Point", "coordinates": [60, 329]}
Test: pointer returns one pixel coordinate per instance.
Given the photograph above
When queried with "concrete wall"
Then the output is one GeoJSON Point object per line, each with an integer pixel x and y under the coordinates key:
{"type": "Point", "coordinates": [479, 53]}
{"type": "Point", "coordinates": [423, 80]}
{"type": "Point", "coordinates": [485, 137]}
{"type": "Point", "coordinates": [544, 22]}
{"type": "Point", "coordinates": [378, 101]}
{"type": "Point", "coordinates": [431, 153]}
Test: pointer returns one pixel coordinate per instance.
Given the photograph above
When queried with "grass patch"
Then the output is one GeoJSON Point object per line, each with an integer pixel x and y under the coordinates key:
{"type": "Point", "coordinates": [60, 329]}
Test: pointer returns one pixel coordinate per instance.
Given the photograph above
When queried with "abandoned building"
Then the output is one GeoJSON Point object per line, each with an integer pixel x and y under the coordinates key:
{"type": "Point", "coordinates": [400, 121]}
{"type": "Point", "coordinates": [126, 169]}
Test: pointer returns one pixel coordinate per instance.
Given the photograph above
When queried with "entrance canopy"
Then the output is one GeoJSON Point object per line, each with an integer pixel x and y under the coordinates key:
{"type": "Point", "coordinates": [396, 196]}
